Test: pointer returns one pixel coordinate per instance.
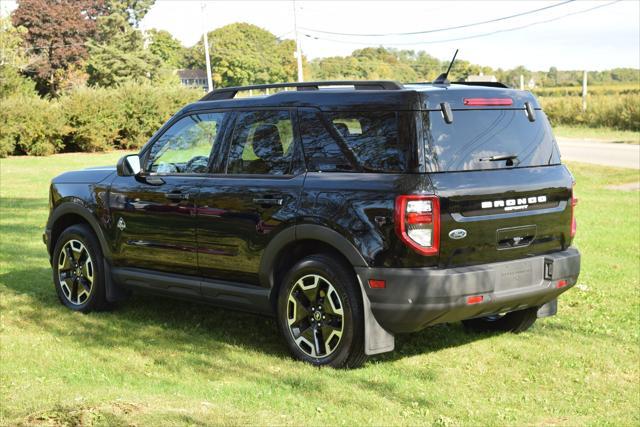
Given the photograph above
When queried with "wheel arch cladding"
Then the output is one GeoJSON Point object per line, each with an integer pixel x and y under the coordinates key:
{"type": "Point", "coordinates": [301, 239]}
{"type": "Point", "coordinates": [68, 214]}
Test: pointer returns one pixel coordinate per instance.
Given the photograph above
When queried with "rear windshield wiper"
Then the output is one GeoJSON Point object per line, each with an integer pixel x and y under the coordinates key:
{"type": "Point", "coordinates": [498, 158]}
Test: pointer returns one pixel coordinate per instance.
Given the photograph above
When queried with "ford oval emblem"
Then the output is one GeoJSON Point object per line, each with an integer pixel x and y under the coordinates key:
{"type": "Point", "coordinates": [458, 234]}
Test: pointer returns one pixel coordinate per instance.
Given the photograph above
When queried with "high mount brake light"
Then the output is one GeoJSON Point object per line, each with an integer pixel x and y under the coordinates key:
{"type": "Point", "coordinates": [418, 222]}
{"type": "Point", "coordinates": [574, 202]}
{"type": "Point", "coordinates": [478, 102]}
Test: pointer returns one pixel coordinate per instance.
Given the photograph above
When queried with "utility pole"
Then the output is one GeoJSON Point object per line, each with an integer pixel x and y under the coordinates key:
{"type": "Point", "coordinates": [206, 48]}
{"type": "Point", "coordinates": [521, 82]}
{"type": "Point", "coordinates": [584, 91]}
{"type": "Point", "coordinates": [298, 50]}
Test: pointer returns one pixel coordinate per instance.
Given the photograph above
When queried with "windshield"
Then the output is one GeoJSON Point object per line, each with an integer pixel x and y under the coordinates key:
{"type": "Point", "coordinates": [488, 139]}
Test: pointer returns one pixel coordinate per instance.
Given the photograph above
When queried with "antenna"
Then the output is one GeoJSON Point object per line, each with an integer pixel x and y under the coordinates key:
{"type": "Point", "coordinates": [442, 78]}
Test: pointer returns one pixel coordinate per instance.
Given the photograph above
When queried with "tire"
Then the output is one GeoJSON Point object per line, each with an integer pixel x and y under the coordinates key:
{"type": "Point", "coordinates": [78, 270]}
{"type": "Point", "coordinates": [320, 313]}
{"type": "Point", "coordinates": [515, 321]}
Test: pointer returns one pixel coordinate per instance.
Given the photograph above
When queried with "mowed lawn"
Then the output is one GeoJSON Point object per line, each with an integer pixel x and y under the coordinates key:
{"type": "Point", "coordinates": [162, 362]}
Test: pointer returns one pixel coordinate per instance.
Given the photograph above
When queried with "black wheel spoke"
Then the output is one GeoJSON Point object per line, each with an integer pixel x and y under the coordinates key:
{"type": "Point", "coordinates": [82, 258]}
{"type": "Point", "coordinates": [65, 274]}
{"type": "Point", "coordinates": [85, 284]}
{"type": "Point", "coordinates": [74, 291]}
{"type": "Point", "coordinates": [302, 299]}
{"type": "Point", "coordinates": [318, 341]}
{"type": "Point", "coordinates": [69, 253]}
{"type": "Point", "coordinates": [300, 327]}
{"type": "Point", "coordinates": [333, 321]}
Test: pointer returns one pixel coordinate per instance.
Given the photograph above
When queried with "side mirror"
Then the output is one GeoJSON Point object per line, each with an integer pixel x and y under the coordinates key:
{"type": "Point", "coordinates": [128, 165]}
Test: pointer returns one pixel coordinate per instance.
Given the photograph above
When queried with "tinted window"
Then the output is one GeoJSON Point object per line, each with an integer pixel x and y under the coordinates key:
{"type": "Point", "coordinates": [262, 143]}
{"type": "Point", "coordinates": [186, 146]}
{"type": "Point", "coordinates": [348, 141]}
{"type": "Point", "coordinates": [477, 136]}
{"type": "Point", "coordinates": [322, 152]}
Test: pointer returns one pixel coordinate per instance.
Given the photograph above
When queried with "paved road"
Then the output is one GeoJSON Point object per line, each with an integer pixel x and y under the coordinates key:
{"type": "Point", "coordinates": [601, 153]}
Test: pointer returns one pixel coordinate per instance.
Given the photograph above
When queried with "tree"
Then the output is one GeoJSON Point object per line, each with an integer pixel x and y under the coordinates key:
{"type": "Point", "coordinates": [117, 54]}
{"type": "Point", "coordinates": [57, 31]}
{"type": "Point", "coordinates": [244, 54]}
{"type": "Point", "coordinates": [14, 59]}
{"type": "Point", "coordinates": [167, 48]}
{"type": "Point", "coordinates": [131, 10]}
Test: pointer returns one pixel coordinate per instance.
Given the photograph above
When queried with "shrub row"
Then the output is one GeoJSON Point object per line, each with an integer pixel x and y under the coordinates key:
{"type": "Point", "coordinates": [125, 117]}
{"type": "Point", "coordinates": [618, 89]}
{"type": "Point", "coordinates": [88, 119]}
{"type": "Point", "coordinates": [618, 112]}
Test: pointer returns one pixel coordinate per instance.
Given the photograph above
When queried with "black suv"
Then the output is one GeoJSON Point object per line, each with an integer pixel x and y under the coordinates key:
{"type": "Point", "coordinates": [352, 211]}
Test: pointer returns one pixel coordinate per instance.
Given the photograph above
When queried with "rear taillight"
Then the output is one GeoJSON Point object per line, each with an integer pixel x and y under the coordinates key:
{"type": "Point", "coordinates": [574, 202]}
{"type": "Point", "coordinates": [488, 101]}
{"type": "Point", "coordinates": [418, 223]}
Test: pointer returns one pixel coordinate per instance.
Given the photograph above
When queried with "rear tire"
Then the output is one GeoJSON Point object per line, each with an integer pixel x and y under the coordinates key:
{"type": "Point", "coordinates": [78, 270]}
{"type": "Point", "coordinates": [515, 321]}
{"type": "Point", "coordinates": [320, 313]}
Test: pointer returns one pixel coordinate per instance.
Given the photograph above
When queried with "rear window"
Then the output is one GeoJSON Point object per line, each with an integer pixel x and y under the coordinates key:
{"type": "Point", "coordinates": [488, 139]}
{"type": "Point", "coordinates": [356, 141]}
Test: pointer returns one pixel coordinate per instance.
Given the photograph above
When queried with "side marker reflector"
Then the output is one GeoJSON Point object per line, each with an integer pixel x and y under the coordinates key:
{"type": "Point", "coordinates": [561, 283]}
{"type": "Point", "coordinates": [377, 284]}
{"type": "Point", "coordinates": [475, 299]}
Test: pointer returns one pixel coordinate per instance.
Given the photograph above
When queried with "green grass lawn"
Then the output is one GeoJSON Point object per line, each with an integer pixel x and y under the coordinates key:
{"type": "Point", "coordinates": [602, 134]}
{"type": "Point", "coordinates": [163, 362]}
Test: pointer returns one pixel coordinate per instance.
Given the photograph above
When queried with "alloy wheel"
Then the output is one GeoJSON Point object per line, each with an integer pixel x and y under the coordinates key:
{"type": "Point", "coordinates": [75, 272]}
{"type": "Point", "coordinates": [315, 315]}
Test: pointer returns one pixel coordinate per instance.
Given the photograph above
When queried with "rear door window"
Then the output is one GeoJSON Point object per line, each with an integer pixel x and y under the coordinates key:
{"type": "Point", "coordinates": [488, 139]}
{"type": "Point", "coordinates": [262, 143]}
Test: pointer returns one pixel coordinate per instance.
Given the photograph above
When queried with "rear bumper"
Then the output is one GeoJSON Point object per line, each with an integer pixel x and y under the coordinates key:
{"type": "Point", "coordinates": [416, 298]}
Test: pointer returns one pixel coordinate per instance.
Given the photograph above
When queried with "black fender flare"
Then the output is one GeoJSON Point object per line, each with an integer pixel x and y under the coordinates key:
{"type": "Point", "coordinates": [305, 232]}
{"type": "Point", "coordinates": [85, 213]}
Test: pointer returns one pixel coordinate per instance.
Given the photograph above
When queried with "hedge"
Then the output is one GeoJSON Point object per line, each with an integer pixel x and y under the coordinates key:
{"type": "Point", "coordinates": [618, 112]}
{"type": "Point", "coordinates": [88, 119]}
{"type": "Point", "coordinates": [125, 117]}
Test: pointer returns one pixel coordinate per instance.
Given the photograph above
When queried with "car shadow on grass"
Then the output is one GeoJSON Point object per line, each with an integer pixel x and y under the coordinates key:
{"type": "Point", "coordinates": [151, 324]}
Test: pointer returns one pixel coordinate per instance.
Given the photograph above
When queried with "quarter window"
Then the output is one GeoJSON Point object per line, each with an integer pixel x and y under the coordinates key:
{"type": "Point", "coordinates": [351, 141]}
{"type": "Point", "coordinates": [186, 146]}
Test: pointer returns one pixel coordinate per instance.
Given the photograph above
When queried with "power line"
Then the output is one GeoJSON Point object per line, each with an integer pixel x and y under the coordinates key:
{"type": "Point", "coordinates": [465, 37]}
{"type": "Point", "coordinates": [439, 29]}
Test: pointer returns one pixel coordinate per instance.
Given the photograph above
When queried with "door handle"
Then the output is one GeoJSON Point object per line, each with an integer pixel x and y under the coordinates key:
{"type": "Point", "coordinates": [268, 201]}
{"type": "Point", "coordinates": [177, 196]}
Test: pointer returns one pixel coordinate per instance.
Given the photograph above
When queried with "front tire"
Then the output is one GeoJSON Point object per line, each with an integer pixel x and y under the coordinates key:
{"type": "Point", "coordinates": [320, 313]}
{"type": "Point", "coordinates": [78, 270]}
{"type": "Point", "coordinates": [515, 321]}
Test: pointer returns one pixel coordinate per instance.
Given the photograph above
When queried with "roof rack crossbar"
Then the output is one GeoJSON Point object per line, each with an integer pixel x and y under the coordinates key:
{"type": "Point", "coordinates": [230, 92]}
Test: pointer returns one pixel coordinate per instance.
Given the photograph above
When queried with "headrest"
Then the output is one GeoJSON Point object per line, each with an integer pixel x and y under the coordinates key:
{"type": "Point", "coordinates": [267, 144]}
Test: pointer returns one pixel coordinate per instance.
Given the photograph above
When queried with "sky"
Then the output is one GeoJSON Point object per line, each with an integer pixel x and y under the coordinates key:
{"type": "Point", "coordinates": [604, 38]}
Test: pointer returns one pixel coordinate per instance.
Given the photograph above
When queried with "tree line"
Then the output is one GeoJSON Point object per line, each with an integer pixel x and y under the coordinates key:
{"type": "Point", "coordinates": [54, 46]}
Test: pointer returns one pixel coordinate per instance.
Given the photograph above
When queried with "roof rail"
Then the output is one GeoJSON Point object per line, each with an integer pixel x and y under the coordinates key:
{"type": "Point", "coordinates": [230, 92]}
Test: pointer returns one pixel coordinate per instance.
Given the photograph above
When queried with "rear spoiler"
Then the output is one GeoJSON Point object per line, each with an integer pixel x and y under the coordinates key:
{"type": "Point", "coordinates": [486, 84]}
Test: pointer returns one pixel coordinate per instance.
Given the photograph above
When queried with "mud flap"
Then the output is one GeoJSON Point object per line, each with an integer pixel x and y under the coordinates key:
{"type": "Point", "coordinates": [376, 339]}
{"type": "Point", "coordinates": [548, 309]}
{"type": "Point", "coordinates": [113, 291]}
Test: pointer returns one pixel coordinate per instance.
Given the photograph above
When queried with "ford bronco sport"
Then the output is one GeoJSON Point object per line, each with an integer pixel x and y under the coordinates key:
{"type": "Point", "coordinates": [352, 211]}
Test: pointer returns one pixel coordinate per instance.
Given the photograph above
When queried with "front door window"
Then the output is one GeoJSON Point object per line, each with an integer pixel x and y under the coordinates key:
{"type": "Point", "coordinates": [186, 146]}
